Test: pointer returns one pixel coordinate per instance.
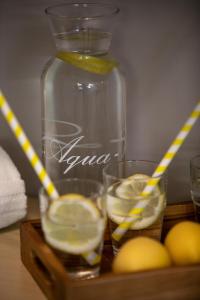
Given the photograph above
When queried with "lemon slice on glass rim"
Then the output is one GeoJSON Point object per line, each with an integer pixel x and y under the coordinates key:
{"type": "Point", "coordinates": [73, 224]}
{"type": "Point", "coordinates": [121, 198]}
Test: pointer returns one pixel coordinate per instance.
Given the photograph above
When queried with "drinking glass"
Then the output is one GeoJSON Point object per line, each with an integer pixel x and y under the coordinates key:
{"type": "Point", "coordinates": [124, 181]}
{"type": "Point", "coordinates": [195, 184]}
{"type": "Point", "coordinates": [74, 224]}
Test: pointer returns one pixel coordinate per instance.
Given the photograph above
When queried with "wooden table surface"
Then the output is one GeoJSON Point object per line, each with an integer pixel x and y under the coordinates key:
{"type": "Point", "coordinates": [15, 281]}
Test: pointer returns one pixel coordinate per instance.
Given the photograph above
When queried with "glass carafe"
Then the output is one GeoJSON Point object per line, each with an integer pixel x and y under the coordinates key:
{"type": "Point", "coordinates": [84, 112]}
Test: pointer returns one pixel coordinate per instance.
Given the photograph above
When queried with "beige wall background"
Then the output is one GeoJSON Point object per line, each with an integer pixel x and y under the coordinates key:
{"type": "Point", "coordinates": [158, 45]}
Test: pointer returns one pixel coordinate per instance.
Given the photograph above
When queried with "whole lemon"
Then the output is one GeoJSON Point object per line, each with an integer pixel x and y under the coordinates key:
{"type": "Point", "coordinates": [141, 253]}
{"type": "Point", "coordinates": [183, 243]}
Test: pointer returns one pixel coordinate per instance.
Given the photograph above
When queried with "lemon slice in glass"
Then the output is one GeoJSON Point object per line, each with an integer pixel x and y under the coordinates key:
{"type": "Point", "coordinates": [121, 198]}
{"type": "Point", "coordinates": [73, 225]}
{"type": "Point", "coordinates": [71, 196]}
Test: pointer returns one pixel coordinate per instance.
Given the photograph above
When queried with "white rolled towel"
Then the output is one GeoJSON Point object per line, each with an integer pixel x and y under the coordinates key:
{"type": "Point", "coordinates": [13, 201]}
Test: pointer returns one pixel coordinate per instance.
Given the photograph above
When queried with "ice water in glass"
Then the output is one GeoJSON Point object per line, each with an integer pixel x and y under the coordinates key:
{"type": "Point", "coordinates": [73, 225]}
{"type": "Point", "coordinates": [195, 185]}
{"type": "Point", "coordinates": [123, 194]}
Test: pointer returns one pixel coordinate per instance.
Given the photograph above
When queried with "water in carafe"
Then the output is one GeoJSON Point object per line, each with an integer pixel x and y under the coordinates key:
{"type": "Point", "coordinates": [84, 124]}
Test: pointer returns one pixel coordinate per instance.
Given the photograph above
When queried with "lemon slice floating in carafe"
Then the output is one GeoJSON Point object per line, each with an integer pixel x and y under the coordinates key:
{"type": "Point", "coordinates": [73, 224]}
{"type": "Point", "coordinates": [123, 196]}
{"type": "Point", "coordinates": [93, 64]}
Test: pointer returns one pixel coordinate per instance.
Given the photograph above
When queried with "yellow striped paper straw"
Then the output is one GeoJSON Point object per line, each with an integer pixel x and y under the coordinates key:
{"type": "Point", "coordinates": [91, 257]}
{"type": "Point", "coordinates": [27, 147]}
{"type": "Point", "coordinates": [135, 213]}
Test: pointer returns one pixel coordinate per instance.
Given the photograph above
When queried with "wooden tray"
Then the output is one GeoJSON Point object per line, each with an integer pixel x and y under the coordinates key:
{"type": "Point", "coordinates": [49, 273]}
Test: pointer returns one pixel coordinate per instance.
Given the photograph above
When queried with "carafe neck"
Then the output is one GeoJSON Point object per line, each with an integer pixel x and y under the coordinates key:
{"type": "Point", "coordinates": [85, 28]}
{"type": "Point", "coordinates": [86, 41]}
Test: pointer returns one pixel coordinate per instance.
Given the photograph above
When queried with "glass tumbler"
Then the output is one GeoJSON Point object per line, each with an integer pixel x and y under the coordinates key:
{"type": "Point", "coordinates": [124, 181]}
{"type": "Point", "coordinates": [74, 224]}
{"type": "Point", "coordinates": [195, 184]}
